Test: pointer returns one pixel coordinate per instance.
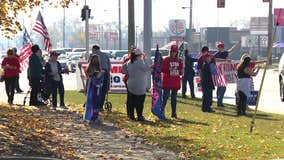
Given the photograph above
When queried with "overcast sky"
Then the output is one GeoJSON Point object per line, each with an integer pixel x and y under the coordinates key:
{"type": "Point", "coordinates": [205, 12]}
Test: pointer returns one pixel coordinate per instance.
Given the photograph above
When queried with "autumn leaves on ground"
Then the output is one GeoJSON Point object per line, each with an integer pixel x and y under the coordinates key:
{"type": "Point", "coordinates": [194, 135]}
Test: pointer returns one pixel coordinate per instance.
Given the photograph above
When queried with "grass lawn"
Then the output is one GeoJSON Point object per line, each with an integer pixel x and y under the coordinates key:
{"type": "Point", "coordinates": [198, 135]}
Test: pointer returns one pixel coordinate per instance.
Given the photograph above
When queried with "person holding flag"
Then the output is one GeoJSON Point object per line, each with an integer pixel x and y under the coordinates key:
{"type": "Point", "coordinates": [172, 69]}
{"type": "Point", "coordinates": [222, 55]}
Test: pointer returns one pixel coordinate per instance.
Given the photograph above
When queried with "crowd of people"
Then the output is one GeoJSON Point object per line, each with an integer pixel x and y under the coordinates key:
{"type": "Point", "coordinates": [46, 78]}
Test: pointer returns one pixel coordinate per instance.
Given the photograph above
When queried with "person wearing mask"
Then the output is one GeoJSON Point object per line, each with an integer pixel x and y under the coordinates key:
{"type": "Point", "coordinates": [172, 69]}
{"type": "Point", "coordinates": [11, 67]}
{"type": "Point", "coordinates": [136, 70]}
{"type": "Point", "coordinates": [95, 77]}
{"type": "Point", "coordinates": [206, 83]}
{"type": "Point", "coordinates": [105, 63]}
{"type": "Point", "coordinates": [222, 55]}
{"type": "Point", "coordinates": [244, 83]}
{"type": "Point", "coordinates": [17, 84]}
{"type": "Point", "coordinates": [188, 76]}
{"type": "Point", "coordinates": [53, 72]}
{"type": "Point", "coordinates": [35, 74]}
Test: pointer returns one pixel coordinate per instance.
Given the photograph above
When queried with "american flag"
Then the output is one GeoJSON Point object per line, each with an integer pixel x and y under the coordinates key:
{"type": "Point", "coordinates": [41, 29]}
{"type": "Point", "coordinates": [25, 51]}
{"type": "Point", "coordinates": [218, 77]}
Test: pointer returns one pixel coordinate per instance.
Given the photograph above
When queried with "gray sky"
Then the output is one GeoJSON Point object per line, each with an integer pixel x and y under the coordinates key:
{"type": "Point", "coordinates": [205, 12]}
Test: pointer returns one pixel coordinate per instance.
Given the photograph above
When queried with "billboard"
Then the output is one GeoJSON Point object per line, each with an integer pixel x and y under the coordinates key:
{"type": "Point", "coordinates": [279, 16]}
{"type": "Point", "coordinates": [259, 25]}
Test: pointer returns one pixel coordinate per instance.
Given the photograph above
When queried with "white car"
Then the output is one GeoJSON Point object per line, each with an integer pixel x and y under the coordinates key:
{"type": "Point", "coordinates": [63, 60]}
{"type": "Point", "coordinates": [281, 77]}
{"type": "Point", "coordinates": [73, 60]}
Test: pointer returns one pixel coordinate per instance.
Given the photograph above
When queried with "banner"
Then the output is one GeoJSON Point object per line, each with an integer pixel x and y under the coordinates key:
{"type": "Point", "coordinates": [116, 83]}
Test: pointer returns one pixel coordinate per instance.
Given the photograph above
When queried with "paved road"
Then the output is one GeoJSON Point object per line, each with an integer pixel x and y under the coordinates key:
{"type": "Point", "coordinates": [269, 102]}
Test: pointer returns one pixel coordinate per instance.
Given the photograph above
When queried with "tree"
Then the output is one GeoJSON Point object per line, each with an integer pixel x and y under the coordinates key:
{"type": "Point", "coordinates": [9, 11]}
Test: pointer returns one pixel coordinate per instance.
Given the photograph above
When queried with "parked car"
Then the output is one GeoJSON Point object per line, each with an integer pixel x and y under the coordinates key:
{"type": "Point", "coordinates": [60, 51]}
{"type": "Point", "coordinates": [77, 51]}
{"type": "Point", "coordinates": [63, 60]}
{"type": "Point", "coordinates": [73, 62]}
{"type": "Point", "coordinates": [118, 54]}
{"type": "Point", "coordinates": [281, 77]}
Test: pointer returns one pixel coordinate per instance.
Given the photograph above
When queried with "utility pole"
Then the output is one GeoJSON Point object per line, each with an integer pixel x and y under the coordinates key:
{"type": "Point", "coordinates": [190, 26]}
{"type": "Point", "coordinates": [131, 23]}
{"type": "Point", "coordinates": [147, 34]}
{"type": "Point", "coordinates": [119, 25]}
{"type": "Point", "coordinates": [270, 28]}
{"type": "Point", "coordinates": [63, 27]}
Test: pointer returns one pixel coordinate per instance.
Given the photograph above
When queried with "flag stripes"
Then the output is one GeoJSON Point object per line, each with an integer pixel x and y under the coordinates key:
{"type": "Point", "coordinates": [41, 29]}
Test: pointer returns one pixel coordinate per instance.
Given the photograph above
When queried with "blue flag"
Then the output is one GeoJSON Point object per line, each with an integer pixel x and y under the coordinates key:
{"type": "Point", "coordinates": [157, 99]}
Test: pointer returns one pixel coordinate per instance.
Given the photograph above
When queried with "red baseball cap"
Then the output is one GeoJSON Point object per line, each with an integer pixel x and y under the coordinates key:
{"type": "Point", "coordinates": [206, 55]}
{"type": "Point", "coordinates": [220, 45]}
{"type": "Point", "coordinates": [174, 48]}
{"type": "Point", "coordinates": [53, 53]}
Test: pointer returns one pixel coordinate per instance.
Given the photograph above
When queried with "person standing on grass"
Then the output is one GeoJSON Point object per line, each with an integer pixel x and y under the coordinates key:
{"type": "Point", "coordinates": [105, 64]}
{"type": "Point", "coordinates": [136, 70]}
{"type": "Point", "coordinates": [172, 69]}
{"type": "Point", "coordinates": [222, 54]}
{"type": "Point", "coordinates": [125, 77]}
{"type": "Point", "coordinates": [17, 84]}
{"type": "Point", "coordinates": [35, 74]}
{"type": "Point", "coordinates": [95, 75]}
{"type": "Point", "coordinates": [244, 83]}
{"type": "Point", "coordinates": [11, 67]}
{"type": "Point", "coordinates": [206, 83]}
{"type": "Point", "coordinates": [54, 79]}
{"type": "Point", "coordinates": [189, 74]}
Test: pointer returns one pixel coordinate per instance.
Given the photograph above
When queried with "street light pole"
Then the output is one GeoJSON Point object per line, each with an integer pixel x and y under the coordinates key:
{"type": "Point", "coordinates": [189, 24]}
{"type": "Point", "coordinates": [63, 27]}
{"type": "Point", "coordinates": [119, 25]}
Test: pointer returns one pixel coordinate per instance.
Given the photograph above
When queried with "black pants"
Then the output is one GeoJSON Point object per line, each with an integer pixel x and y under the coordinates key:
{"type": "Point", "coordinates": [190, 80]}
{"type": "Point", "coordinates": [10, 88]}
{"type": "Point", "coordinates": [57, 86]}
{"type": "Point", "coordinates": [135, 101]}
{"type": "Point", "coordinates": [17, 85]}
{"type": "Point", "coordinates": [35, 84]}
{"type": "Point", "coordinates": [207, 99]}
{"type": "Point", "coordinates": [105, 88]}
{"type": "Point", "coordinates": [242, 104]}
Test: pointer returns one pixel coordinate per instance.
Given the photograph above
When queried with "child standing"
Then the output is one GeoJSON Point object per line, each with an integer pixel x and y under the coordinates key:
{"type": "Point", "coordinates": [95, 80]}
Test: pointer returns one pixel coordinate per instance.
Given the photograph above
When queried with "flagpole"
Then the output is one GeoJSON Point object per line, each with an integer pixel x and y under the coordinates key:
{"type": "Point", "coordinates": [269, 55]}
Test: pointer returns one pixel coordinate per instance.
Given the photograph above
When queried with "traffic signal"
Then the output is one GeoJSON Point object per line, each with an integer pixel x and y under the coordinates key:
{"type": "Point", "coordinates": [220, 3]}
{"type": "Point", "coordinates": [83, 12]}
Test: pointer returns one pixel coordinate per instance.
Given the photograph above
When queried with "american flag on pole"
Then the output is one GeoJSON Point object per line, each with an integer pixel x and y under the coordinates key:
{"type": "Point", "coordinates": [217, 76]}
{"type": "Point", "coordinates": [25, 51]}
{"type": "Point", "coordinates": [41, 29]}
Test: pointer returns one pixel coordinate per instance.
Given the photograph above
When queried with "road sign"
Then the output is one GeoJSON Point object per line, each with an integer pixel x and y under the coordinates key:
{"type": "Point", "coordinates": [220, 3]}
{"type": "Point", "coordinates": [177, 27]}
{"type": "Point", "coordinates": [279, 16]}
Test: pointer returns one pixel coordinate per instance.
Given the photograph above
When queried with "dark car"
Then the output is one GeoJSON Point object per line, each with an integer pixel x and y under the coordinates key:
{"type": "Point", "coordinates": [281, 77]}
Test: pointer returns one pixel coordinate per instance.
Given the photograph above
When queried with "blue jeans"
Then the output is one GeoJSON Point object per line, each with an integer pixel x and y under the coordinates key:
{"type": "Point", "coordinates": [220, 95]}
{"type": "Point", "coordinates": [57, 85]}
{"type": "Point", "coordinates": [166, 94]}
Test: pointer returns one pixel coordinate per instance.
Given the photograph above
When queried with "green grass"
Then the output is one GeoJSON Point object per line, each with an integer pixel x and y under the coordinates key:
{"type": "Point", "coordinates": [198, 135]}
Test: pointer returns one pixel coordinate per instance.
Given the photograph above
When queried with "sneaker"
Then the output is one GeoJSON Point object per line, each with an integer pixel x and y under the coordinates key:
{"type": "Point", "coordinates": [184, 96]}
{"type": "Point", "coordinates": [53, 108]}
{"type": "Point", "coordinates": [141, 118]}
{"type": "Point", "coordinates": [20, 91]}
{"type": "Point", "coordinates": [220, 105]}
{"type": "Point", "coordinates": [63, 107]}
{"type": "Point", "coordinates": [174, 115]}
{"type": "Point", "coordinates": [95, 122]}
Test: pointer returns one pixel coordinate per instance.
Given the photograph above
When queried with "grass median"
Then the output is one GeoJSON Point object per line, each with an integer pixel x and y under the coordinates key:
{"type": "Point", "coordinates": [199, 135]}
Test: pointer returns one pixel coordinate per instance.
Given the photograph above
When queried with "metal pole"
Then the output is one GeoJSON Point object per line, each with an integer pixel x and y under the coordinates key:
{"type": "Point", "coordinates": [136, 38]}
{"type": "Point", "coordinates": [147, 34]}
{"type": "Point", "coordinates": [269, 55]}
{"type": "Point", "coordinates": [190, 26]}
{"type": "Point", "coordinates": [87, 32]}
{"type": "Point", "coordinates": [63, 27]}
{"type": "Point", "coordinates": [119, 25]}
{"type": "Point", "coordinates": [131, 23]}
